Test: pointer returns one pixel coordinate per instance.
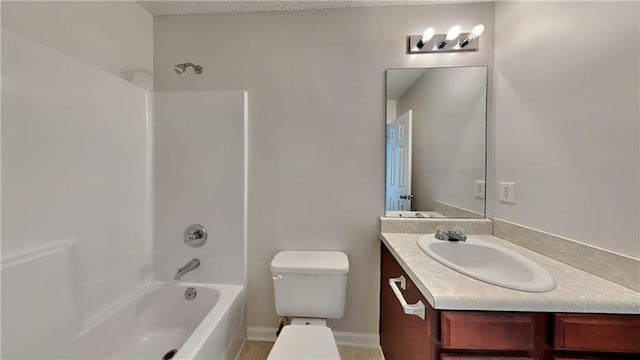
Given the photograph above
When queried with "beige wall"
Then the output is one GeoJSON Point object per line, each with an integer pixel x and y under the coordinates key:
{"type": "Point", "coordinates": [114, 36]}
{"type": "Point", "coordinates": [567, 119]}
{"type": "Point", "coordinates": [316, 84]}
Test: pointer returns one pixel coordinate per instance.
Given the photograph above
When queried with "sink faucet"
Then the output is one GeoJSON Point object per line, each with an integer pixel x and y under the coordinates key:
{"type": "Point", "coordinates": [191, 265]}
{"type": "Point", "coordinates": [455, 234]}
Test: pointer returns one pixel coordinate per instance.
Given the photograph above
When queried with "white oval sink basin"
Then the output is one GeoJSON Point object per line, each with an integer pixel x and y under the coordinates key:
{"type": "Point", "coordinates": [490, 263]}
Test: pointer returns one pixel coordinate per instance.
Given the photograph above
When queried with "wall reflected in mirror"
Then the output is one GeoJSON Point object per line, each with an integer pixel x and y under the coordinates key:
{"type": "Point", "coordinates": [436, 142]}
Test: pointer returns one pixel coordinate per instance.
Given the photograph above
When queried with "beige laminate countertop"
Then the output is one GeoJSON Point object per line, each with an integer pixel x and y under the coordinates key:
{"type": "Point", "coordinates": [577, 291]}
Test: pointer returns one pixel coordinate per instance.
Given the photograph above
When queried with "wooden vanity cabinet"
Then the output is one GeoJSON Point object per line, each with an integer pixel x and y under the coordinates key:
{"type": "Point", "coordinates": [489, 335]}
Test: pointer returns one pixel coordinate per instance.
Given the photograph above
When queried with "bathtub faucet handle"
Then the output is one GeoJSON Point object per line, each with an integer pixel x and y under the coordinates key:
{"type": "Point", "coordinates": [195, 235]}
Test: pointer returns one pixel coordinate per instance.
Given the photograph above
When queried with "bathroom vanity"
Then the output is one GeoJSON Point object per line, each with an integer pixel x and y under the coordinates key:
{"type": "Point", "coordinates": [584, 317]}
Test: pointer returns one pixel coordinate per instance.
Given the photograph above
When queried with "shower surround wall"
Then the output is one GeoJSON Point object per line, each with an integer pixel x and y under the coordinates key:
{"type": "Point", "coordinates": [76, 196]}
{"type": "Point", "coordinates": [200, 152]}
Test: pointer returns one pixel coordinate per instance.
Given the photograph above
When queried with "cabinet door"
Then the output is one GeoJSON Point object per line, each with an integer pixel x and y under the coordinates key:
{"type": "Point", "coordinates": [391, 314]}
{"type": "Point", "coordinates": [421, 335]}
{"type": "Point", "coordinates": [404, 336]}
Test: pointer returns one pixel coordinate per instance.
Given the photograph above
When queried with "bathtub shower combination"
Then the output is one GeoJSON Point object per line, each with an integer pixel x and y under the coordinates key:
{"type": "Point", "coordinates": [89, 247]}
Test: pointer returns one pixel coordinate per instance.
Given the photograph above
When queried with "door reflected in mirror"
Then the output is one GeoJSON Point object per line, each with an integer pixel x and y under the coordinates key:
{"type": "Point", "coordinates": [436, 142]}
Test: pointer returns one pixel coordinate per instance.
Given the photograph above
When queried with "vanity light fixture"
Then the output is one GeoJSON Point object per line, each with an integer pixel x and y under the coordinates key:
{"type": "Point", "coordinates": [452, 41]}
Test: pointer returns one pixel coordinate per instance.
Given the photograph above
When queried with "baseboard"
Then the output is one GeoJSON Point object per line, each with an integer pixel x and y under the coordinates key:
{"type": "Point", "coordinates": [363, 340]}
{"type": "Point", "coordinates": [260, 333]}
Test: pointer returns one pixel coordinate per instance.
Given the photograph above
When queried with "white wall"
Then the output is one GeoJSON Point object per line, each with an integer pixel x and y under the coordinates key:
{"type": "Point", "coordinates": [199, 178]}
{"type": "Point", "coordinates": [567, 119]}
{"type": "Point", "coordinates": [316, 84]}
{"type": "Point", "coordinates": [114, 36]}
{"type": "Point", "coordinates": [449, 107]}
{"type": "Point", "coordinates": [75, 196]}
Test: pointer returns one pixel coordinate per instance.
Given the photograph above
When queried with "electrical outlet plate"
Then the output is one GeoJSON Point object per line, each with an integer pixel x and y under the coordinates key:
{"type": "Point", "coordinates": [478, 189]}
{"type": "Point", "coordinates": [507, 192]}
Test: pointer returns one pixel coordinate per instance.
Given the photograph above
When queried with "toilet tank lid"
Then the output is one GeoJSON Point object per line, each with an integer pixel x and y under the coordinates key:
{"type": "Point", "coordinates": [310, 262]}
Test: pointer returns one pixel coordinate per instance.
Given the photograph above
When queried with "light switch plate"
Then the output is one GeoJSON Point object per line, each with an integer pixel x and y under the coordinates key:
{"type": "Point", "coordinates": [478, 189]}
{"type": "Point", "coordinates": [507, 192]}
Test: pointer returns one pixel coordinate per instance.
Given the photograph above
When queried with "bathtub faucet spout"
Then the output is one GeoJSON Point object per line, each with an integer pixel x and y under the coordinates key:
{"type": "Point", "coordinates": [191, 265]}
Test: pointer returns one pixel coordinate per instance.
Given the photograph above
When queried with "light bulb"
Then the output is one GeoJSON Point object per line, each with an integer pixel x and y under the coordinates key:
{"type": "Point", "coordinates": [477, 30]}
{"type": "Point", "coordinates": [453, 33]}
{"type": "Point", "coordinates": [426, 36]}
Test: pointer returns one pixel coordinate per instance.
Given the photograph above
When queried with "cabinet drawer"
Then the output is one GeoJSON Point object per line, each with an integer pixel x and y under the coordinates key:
{"type": "Point", "coordinates": [588, 357]}
{"type": "Point", "coordinates": [491, 331]}
{"type": "Point", "coordinates": [605, 333]}
{"type": "Point", "coordinates": [479, 357]}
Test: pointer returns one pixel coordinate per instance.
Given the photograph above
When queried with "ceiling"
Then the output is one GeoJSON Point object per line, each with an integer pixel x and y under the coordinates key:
{"type": "Point", "coordinates": [183, 7]}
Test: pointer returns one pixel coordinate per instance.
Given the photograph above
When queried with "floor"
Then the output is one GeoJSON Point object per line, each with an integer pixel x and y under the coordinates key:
{"type": "Point", "coordinates": [258, 350]}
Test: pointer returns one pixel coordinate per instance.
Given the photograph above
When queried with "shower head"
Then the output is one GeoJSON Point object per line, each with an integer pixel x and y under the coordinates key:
{"type": "Point", "coordinates": [181, 68]}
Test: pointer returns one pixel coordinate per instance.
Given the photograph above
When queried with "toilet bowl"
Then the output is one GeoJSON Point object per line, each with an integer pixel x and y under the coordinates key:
{"type": "Point", "coordinates": [309, 286]}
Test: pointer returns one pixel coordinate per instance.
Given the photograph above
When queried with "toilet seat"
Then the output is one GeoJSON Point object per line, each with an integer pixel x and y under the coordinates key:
{"type": "Point", "coordinates": [305, 342]}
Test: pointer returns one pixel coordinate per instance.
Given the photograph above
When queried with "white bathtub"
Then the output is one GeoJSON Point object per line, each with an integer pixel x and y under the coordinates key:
{"type": "Point", "coordinates": [159, 319]}
{"type": "Point", "coordinates": [47, 314]}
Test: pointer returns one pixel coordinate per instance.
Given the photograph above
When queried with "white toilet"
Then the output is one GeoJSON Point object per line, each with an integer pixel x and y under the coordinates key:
{"type": "Point", "coordinates": [309, 287]}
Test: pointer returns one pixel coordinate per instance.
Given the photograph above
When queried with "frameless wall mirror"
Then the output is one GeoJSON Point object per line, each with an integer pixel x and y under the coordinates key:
{"type": "Point", "coordinates": [436, 142]}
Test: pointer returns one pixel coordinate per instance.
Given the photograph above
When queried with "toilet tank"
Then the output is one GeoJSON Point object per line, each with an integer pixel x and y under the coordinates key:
{"type": "Point", "coordinates": [310, 283]}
